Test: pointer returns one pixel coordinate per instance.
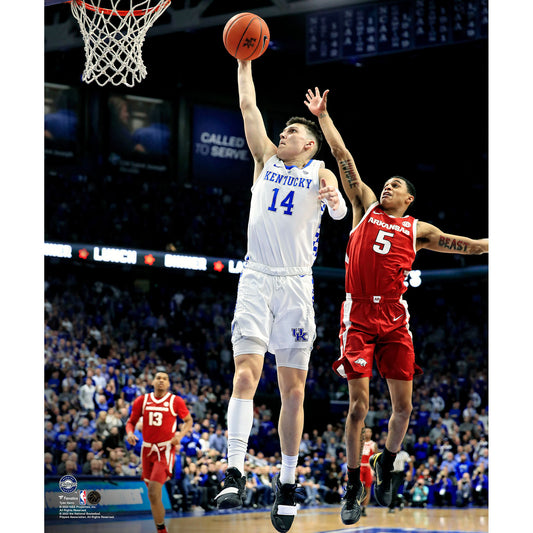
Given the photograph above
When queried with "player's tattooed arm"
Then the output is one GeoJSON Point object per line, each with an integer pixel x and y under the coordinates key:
{"type": "Point", "coordinates": [432, 238]}
{"type": "Point", "coordinates": [349, 172]}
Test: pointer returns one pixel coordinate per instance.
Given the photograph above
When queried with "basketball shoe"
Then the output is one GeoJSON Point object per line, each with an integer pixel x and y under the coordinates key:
{"type": "Point", "coordinates": [382, 488]}
{"type": "Point", "coordinates": [284, 508]}
{"type": "Point", "coordinates": [232, 494]}
{"type": "Point", "coordinates": [351, 503]}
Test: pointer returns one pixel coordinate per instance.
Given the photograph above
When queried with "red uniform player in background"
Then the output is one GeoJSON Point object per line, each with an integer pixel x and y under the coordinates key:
{"type": "Point", "coordinates": [381, 248]}
{"type": "Point", "coordinates": [159, 410]}
{"type": "Point", "coordinates": [369, 448]}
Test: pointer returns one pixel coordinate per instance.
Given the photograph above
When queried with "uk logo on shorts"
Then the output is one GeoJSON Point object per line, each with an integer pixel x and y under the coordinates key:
{"type": "Point", "coordinates": [360, 362]}
{"type": "Point", "coordinates": [300, 335]}
{"type": "Point", "coordinates": [68, 484]}
{"type": "Point", "coordinates": [83, 497]}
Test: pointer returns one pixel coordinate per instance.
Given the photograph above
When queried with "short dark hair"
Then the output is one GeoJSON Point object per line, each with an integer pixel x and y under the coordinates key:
{"type": "Point", "coordinates": [410, 187]}
{"type": "Point", "coordinates": [312, 127]}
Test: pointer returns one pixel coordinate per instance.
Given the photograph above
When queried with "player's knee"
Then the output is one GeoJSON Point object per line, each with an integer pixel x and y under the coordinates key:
{"type": "Point", "coordinates": [245, 381]}
{"type": "Point", "coordinates": [293, 396]}
{"type": "Point", "coordinates": [154, 492]}
{"type": "Point", "coordinates": [358, 410]}
{"type": "Point", "coordinates": [403, 409]}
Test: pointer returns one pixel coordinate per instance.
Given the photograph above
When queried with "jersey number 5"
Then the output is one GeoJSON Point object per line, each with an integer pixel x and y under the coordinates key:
{"type": "Point", "coordinates": [155, 418]}
{"type": "Point", "coordinates": [383, 245]}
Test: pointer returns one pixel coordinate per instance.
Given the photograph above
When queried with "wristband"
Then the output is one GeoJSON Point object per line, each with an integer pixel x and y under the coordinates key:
{"type": "Point", "coordinates": [341, 211]}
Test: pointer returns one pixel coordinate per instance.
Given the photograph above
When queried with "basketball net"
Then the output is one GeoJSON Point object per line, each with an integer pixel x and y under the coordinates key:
{"type": "Point", "coordinates": [114, 38]}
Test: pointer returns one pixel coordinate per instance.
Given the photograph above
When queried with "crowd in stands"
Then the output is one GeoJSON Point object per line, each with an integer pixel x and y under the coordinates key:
{"type": "Point", "coordinates": [105, 341]}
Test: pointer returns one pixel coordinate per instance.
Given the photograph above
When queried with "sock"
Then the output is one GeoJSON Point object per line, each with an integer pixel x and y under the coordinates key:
{"type": "Point", "coordinates": [240, 420]}
{"type": "Point", "coordinates": [160, 526]}
{"type": "Point", "coordinates": [354, 475]}
{"type": "Point", "coordinates": [288, 468]}
{"type": "Point", "coordinates": [388, 460]}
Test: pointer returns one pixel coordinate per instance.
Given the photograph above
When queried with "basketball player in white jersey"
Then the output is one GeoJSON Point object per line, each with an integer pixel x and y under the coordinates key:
{"type": "Point", "coordinates": [274, 309]}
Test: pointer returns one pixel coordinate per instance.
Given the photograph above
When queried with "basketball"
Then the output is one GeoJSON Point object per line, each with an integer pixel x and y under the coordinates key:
{"type": "Point", "coordinates": [246, 36]}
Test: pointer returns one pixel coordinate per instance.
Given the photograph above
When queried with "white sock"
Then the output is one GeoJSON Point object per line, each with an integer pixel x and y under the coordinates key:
{"type": "Point", "coordinates": [240, 420]}
{"type": "Point", "coordinates": [288, 468]}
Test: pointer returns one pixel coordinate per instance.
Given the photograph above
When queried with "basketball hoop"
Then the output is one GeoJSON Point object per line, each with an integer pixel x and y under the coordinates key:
{"type": "Point", "coordinates": [114, 38]}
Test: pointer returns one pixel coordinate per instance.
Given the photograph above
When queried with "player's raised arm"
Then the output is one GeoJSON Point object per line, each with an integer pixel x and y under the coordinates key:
{"type": "Point", "coordinates": [259, 144]}
{"type": "Point", "coordinates": [360, 195]}
{"type": "Point", "coordinates": [432, 238]}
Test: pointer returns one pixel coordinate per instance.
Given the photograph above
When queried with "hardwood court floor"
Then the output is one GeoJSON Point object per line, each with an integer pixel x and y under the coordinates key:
{"type": "Point", "coordinates": [310, 520]}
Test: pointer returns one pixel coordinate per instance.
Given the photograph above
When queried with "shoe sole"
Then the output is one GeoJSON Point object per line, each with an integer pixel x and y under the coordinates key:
{"type": "Point", "coordinates": [229, 505]}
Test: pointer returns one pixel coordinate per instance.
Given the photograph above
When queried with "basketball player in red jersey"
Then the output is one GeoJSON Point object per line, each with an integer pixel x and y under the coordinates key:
{"type": "Point", "coordinates": [368, 449]}
{"type": "Point", "coordinates": [159, 410]}
{"type": "Point", "coordinates": [374, 317]}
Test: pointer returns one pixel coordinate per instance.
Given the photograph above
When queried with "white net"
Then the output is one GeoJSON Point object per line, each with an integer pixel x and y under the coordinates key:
{"type": "Point", "coordinates": [113, 32]}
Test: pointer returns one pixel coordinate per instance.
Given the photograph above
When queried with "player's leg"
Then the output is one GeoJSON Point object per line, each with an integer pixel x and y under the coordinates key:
{"type": "Point", "coordinates": [291, 419]}
{"type": "Point", "coordinates": [352, 501]}
{"type": "Point", "coordinates": [159, 474]}
{"type": "Point", "coordinates": [401, 393]}
{"type": "Point", "coordinates": [248, 369]}
{"type": "Point", "coordinates": [395, 358]}
{"type": "Point", "coordinates": [291, 382]}
{"type": "Point", "coordinates": [250, 332]}
{"type": "Point", "coordinates": [156, 504]}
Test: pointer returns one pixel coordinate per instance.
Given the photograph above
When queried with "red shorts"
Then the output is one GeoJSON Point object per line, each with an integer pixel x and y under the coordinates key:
{"type": "Point", "coordinates": [157, 462]}
{"type": "Point", "coordinates": [366, 475]}
{"type": "Point", "coordinates": [375, 330]}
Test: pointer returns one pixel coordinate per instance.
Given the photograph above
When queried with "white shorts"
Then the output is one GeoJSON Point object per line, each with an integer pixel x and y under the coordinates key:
{"type": "Point", "coordinates": [276, 311]}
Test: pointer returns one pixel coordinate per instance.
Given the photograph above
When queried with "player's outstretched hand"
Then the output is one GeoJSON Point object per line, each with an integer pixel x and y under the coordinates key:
{"type": "Point", "coordinates": [316, 103]}
{"type": "Point", "coordinates": [329, 193]}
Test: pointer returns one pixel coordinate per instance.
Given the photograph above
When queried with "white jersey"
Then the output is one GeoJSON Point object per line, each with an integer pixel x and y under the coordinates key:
{"type": "Point", "coordinates": [285, 214]}
{"type": "Point", "coordinates": [402, 457]}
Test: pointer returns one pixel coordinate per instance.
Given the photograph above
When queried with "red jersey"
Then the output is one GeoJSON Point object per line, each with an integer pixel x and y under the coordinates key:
{"type": "Point", "coordinates": [159, 416]}
{"type": "Point", "coordinates": [379, 255]}
{"type": "Point", "coordinates": [368, 450]}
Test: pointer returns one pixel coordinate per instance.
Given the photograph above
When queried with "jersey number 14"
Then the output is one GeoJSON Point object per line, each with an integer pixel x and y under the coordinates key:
{"type": "Point", "coordinates": [287, 202]}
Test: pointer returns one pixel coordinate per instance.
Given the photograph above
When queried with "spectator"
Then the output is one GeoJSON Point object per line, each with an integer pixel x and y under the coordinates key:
{"type": "Point", "coordinates": [464, 466]}
{"type": "Point", "coordinates": [97, 468]}
{"type": "Point", "coordinates": [86, 395]}
{"type": "Point", "coordinates": [480, 486]}
{"type": "Point", "coordinates": [305, 445]}
{"type": "Point", "coordinates": [443, 488]}
{"type": "Point", "coordinates": [419, 493]}
{"type": "Point", "coordinates": [113, 440]}
{"type": "Point", "coordinates": [130, 391]}
{"type": "Point", "coordinates": [219, 442]}
{"type": "Point", "coordinates": [99, 379]}
{"type": "Point", "coordinates": [439, 430]}
{"type": "Point", "coordinates": [464, 491]}
{"type": "Point", "coordinates": [49, 466]}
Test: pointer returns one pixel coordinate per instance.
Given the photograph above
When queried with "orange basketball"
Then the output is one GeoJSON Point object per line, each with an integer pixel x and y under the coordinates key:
{"type": "Point", "coordinates": [246, 36]}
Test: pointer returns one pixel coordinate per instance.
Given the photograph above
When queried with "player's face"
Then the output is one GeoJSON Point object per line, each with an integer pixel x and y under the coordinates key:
{"type": "Point", "coordinates": [161, 382]}
{"type": "Point", "coordinates": [395, 194]}
{"type": "Point", "coordinates": [292, 141]}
